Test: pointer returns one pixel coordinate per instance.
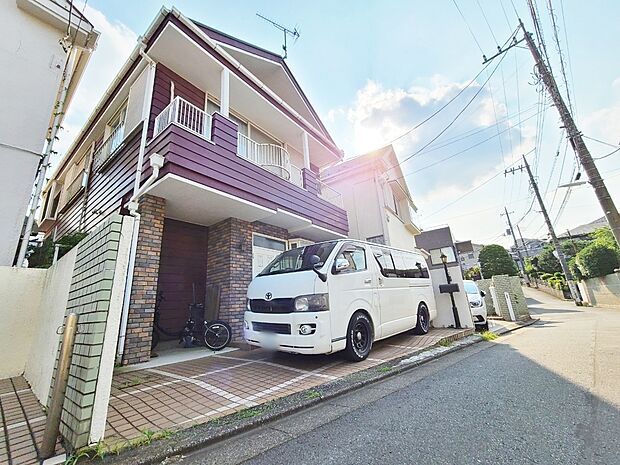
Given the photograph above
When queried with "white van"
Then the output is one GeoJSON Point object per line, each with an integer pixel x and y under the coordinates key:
{"type": "Point", "coordinates": [338, 295]}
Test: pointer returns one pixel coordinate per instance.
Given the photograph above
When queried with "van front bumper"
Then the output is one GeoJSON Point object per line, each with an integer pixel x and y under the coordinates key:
{"type": "Point", "coordinates": [282, 332]}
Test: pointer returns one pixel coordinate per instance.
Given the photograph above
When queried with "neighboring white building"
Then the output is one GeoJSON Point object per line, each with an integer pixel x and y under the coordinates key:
{"type": "Point", "coordinates": [376, 198]}
{"type": "Point", "coordinates": [35, 34]}
{"type": "Point", "coordinates": [469, 254]}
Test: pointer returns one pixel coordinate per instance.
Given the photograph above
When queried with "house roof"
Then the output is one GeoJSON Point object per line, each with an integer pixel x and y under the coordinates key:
{"type": "Point", "coordinates": [216, 36]}
{"type": "Point", "coordinates": [278, 70]}
{"type": "Point", "coordinates": [587, 228]}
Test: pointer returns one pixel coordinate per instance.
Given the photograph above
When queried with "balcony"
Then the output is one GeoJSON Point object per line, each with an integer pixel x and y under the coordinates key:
{"type": "Point", "coordinates": [330, 194]}
{"type": "Point", "coordinates": [270, 157]}
{"type": "Point", "coordinates": [186, 115]}
{"type": "Point", "coordinates": [207, 180]}
{"type": "Point", "coordinates": [104, 153]}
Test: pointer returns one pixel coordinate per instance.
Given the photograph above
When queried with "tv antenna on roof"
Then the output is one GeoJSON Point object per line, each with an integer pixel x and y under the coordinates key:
{"type": "Point", "coordinates": [293, 33]}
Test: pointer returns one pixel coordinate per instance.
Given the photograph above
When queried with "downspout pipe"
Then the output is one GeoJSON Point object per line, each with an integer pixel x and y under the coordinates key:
{"type": "Point", "coordinates": [59, 111]}
{"type": "Point", "coordinates": [157, 161]}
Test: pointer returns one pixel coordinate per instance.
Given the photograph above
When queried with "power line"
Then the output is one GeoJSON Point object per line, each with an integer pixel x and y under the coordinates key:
{"type": "Point", "coordinates": [486, 20]}
{"type": "Point", "coordinates": [469, 28]}
{"type": "Point", "coordinates": [560, 55]}
{"type": "Point", "coordinates": [600, 141]}
{"type": "Point", "coordinates": [608, 155]}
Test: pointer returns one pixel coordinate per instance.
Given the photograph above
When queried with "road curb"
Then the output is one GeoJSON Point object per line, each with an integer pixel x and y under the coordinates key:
{"type": "Point", "coordinates": [199, 436]}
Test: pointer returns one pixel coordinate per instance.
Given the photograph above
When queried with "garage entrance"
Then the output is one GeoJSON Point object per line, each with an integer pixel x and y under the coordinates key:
{"type": "Point", "coordinates": [264, 250]}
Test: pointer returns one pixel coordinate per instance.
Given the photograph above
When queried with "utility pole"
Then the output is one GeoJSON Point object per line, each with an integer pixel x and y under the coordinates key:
{"type": "Point", "coordinates": [512, 231]}
{"type": "Point", "coordinates": [579, 146]}
{"type": "Point", "coordinates": [554, 239]}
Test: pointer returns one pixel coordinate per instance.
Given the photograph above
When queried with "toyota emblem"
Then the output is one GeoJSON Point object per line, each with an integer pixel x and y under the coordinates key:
{"type": "Point", "coordinates": [268, 296]}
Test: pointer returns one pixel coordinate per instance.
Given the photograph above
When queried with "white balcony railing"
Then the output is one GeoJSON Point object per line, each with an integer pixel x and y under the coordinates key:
{"type": "Point", "coordinates": [296, 176]}
{"type": "Point", "coordinates": [105, 152]}
{"type": "Point", "coordinates": [330, 194]}
{"type": "Point", "coordinates": [185, 114]}
{"type": "Point", "coordinates": [271, 157]}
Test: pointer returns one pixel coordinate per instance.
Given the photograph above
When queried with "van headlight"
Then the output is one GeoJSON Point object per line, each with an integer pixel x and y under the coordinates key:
{"type": "Point", "coordinates": [312, 303]}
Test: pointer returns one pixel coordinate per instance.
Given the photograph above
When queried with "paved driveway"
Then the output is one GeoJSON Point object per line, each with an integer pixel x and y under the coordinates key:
{"type": "Point", "coordinates": [181, 394]}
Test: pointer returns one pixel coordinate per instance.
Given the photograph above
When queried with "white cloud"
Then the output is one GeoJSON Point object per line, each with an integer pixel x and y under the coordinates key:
{"type": "Point", "coordinates": [116, 41]}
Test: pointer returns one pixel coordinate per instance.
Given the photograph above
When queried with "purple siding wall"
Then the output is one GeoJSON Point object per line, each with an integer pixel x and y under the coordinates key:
{"type": "Point", "coordinates": [218, 166]}
{"type": "Point", "coordinates": [106, 189]}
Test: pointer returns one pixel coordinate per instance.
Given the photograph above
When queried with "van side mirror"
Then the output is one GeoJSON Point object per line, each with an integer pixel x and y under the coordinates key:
{"type": "Point", "coordinates": [341, 264]}
{"type": "Point", "coordinates": [482, 293]}
{"type": "Point", "coordinates": [315, 261]}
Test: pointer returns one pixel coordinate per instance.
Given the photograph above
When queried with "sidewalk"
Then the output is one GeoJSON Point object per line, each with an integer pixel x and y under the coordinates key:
{"type": "Point", "coordinates": [22, 421]}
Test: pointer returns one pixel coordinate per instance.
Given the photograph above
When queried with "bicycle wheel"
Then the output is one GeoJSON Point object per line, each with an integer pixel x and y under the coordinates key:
{"type": "Point", "coordinates": [218, 335]}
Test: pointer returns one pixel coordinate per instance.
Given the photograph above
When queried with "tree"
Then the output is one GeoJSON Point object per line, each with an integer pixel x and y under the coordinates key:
{"type": "Point", "coordinates": [494, 260]}
{"type": "Point", "coordinates": [597, 259]}
{"type": "Point", "coordinates": [547, 262]}
{"type": "Point", "coordinates": [605, 237]}
{"type": "Point", "coordinates": [473, 273]}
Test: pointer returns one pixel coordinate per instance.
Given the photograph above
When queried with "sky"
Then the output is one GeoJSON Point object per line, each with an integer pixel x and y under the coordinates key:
{"type": "Point", "coordinates": [374, 70]}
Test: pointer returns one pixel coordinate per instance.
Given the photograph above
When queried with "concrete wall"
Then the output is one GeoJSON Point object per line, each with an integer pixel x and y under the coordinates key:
{"type": "Point", "coordinates": [603, 291]}
{"type": "Point", "coordinates": [20, 298]}
{"type": "Point", "coordinates": [39, 365]}
{"type": "Point", "coordinates": [399, 236]}
{"type": "Point", "coordinates": [445, 317]}
{"type": "Point", "coordinates": [32, 60]}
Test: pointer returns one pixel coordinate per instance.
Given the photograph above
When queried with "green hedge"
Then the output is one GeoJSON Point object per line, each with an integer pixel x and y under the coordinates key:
{"type": "Point", "coordinates": [597, 259]}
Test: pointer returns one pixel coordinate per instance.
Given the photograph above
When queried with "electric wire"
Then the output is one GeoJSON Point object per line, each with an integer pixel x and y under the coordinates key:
{"type": "Point", "coordinates": [469, 28]}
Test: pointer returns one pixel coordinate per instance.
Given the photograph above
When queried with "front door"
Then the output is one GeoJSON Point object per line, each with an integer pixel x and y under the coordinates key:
{"type": "Point", "coordinates": [264, 250]}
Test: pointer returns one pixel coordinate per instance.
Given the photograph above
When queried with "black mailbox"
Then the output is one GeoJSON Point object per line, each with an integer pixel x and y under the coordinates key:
{"type": "Point", "coordinates": [448, 288]}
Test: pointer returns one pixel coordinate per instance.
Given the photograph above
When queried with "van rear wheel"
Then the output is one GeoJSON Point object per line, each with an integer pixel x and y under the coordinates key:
{"type": "Point", "coordinates": [424, 320]}
{"type": "Point", "coordinates": [359, 337]}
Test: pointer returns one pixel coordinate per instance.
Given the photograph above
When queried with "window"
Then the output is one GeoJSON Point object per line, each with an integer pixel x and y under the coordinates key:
{"type": "Point", "coordinates": [470, 255]}
{"type": "Point", "coordinates": [355, 256]}
{"type": "Point", "coordinates": [436, 255]}
{"type": "Point", "coordinates": [242, 126]}
{"type": "Point", "coordinates": [401, 264]}
{"type": "Point", "coordinates": [268, 243]}
{"type": "Point", "coordinates": [376, 239]}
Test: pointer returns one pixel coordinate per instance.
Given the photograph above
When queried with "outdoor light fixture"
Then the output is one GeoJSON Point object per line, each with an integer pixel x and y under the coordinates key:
{"type": "Point", "coordinates": [450, 288]}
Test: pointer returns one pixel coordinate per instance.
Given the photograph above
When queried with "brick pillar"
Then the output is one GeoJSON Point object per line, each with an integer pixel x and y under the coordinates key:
{"type": "Point", "coordinates": [229, 265]}
{"type": "Point", "coordinates": [144, 288]}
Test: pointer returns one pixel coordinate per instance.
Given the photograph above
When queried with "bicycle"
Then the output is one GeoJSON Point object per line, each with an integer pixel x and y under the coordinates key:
{"type": "Point", "coordinates": [198, 330]}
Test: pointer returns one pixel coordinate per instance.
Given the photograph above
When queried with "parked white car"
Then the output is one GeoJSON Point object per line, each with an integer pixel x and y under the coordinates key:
{"type": "Point", "coordinates": [338, 295]}
{"type": "Point", "coordinates": [477, 304]}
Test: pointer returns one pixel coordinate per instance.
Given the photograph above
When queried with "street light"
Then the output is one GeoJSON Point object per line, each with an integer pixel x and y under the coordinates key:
{"type": "Point", "coordinates": [450, 289]}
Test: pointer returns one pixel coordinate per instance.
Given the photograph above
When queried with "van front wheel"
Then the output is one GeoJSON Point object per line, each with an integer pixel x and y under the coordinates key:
{"type": "Point", "coordinates": [424, 323]}
{"type": "Point", "coordinates": [359, 337]}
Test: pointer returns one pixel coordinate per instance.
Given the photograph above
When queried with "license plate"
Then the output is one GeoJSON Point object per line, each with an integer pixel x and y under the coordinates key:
{"type": "Point", "coordinates": [269, 341]}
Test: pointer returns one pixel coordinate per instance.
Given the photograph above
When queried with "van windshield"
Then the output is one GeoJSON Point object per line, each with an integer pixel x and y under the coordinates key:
{"type": "Point", "coordinates": [470, 287]}
{"type": "Point", "coordinates": [298, 259]}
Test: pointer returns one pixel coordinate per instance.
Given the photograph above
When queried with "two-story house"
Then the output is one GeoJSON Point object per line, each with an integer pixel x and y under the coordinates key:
{"type": "Point", "coordinates": [376, 197]}
{"type": "Point", "coordinates": [213, 145]}
{"type": "Point", "coordinates": [42, 40]}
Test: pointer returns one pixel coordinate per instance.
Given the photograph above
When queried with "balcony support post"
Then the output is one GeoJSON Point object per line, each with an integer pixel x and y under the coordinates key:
{"type": "Point", "coordinates": [304, 142]}
{"type": "Point", "coordinates": [225, 92]}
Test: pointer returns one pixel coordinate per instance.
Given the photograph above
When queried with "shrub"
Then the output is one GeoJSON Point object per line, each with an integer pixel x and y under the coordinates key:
{"type": "Point", "coordinates": [597, 259]}
{"type": "Point", "coordinates": [546, 276]}
{"type": "Point", "coordinates": [495, 260]}
{"type": "Point", "coordinates": [546, 260]}
{"type": "Point", "coordinates": [42, 256]}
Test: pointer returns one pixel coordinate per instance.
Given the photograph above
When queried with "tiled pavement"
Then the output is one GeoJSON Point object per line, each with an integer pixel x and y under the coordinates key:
{"type": "Point", "coordinates": [178, 395]}
{"type": "Point", "coordinates": [182, 394]}
{"type": "Point", "coordinates": [22, 422]}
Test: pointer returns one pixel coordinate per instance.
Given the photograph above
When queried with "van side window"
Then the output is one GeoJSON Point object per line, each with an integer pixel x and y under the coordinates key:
{"type": "Point", "coordinates": [400, 264]}
{"type": "Point", "coordinates": [386, 264]}
{"type": "Point", "coordinates": [356, 256]}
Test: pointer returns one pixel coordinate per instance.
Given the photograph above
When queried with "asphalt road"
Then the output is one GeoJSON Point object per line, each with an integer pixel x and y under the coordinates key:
{"type": "Point", "coordinates": [546, 394]}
